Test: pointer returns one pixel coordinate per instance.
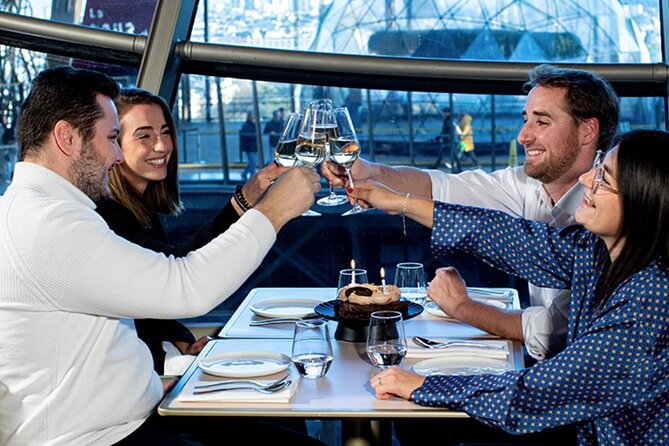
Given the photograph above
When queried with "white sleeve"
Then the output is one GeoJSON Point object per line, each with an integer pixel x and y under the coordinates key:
{"type": "Point", "coordinates": [97, 272]}
{"type": "Point", "coordinates": [545, 329]}
{"type": "Point", "coordinates": [503, 190]}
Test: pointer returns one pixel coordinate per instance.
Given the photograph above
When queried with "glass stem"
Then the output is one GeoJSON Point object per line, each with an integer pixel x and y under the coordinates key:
{"type": "Point", "coordinates": [350, 178]}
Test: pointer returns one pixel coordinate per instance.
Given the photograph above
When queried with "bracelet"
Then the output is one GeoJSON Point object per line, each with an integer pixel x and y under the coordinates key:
{"type": "Point", "coordinates": [403, 213]}
{"type": "Point", "coordinates": [240, 199]}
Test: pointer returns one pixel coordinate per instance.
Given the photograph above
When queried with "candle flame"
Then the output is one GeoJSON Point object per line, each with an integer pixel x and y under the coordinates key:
{"type": "Point", "coordinates": [383, 273]}
{"type": "Point", "coordinates": [352, 264]}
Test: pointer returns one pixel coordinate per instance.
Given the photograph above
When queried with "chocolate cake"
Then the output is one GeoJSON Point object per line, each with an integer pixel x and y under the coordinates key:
{"type": "Point", "coordinates": [358, 301]}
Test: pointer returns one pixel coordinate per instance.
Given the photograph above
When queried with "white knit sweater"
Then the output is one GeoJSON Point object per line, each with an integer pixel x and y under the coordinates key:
{"type": "Point", "coordinates": [72, 370]}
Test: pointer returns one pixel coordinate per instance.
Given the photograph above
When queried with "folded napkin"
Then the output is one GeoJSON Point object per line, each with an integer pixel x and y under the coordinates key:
{"type": "Point", "coordinates": [238, 396]}
{"type": "Point", "coordinates": [417, 352]}
{"type": "Point", "coordinates": [175, 362]}
{"type": "Point", "coordinates": [492, 294]}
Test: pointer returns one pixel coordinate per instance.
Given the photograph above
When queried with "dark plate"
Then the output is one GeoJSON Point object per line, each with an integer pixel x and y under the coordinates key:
{"type": "Point", "coordinates": [327, 310]}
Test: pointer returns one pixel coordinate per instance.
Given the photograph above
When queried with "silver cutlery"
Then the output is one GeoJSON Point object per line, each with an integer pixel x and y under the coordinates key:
{"type": "Point", "coordinates": [278, 320]}
{"type": "Point", "coordinates": [209, 384]}
{"type": "Point", "coordinates": [430, 343]}
{"type": "Point", "coordinates": [271, 388]}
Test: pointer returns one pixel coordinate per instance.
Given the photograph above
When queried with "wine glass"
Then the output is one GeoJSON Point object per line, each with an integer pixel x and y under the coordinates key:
{"type": "Point", "coordinates": [316, 127]}
{"type": "Point", "coordinates": [332, 199]}
{"type": "Point", "coordinates": [386, 342]}
{"type": "Point", "coordinates": [345, 149]}
{"type": "Point", "coordinates": [410, 279]}
{"type": "Point", "coordinates": [284, 153]}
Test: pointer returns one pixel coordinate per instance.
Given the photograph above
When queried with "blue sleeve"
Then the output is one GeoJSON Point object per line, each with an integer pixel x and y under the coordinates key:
{"type": "Point", "coordinates": [608, 369]}
{"type": "Point", "coordinates": [534, 251]}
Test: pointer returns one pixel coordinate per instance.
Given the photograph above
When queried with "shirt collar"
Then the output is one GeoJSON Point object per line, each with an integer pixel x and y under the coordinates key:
{"type": "Point", "coordinates": [36, 176]}
{"type": "Point", "coordinates": [563, 211]}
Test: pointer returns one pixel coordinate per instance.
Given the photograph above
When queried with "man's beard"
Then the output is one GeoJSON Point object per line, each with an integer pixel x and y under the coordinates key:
{"type": "Point", "coordinates": [553, 168]}
{"type": "Point", "coordinates": [89, 173]}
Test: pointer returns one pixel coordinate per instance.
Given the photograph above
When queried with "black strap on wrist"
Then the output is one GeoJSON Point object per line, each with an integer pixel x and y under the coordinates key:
{"type": "Point", "coordinates": [240, 199]}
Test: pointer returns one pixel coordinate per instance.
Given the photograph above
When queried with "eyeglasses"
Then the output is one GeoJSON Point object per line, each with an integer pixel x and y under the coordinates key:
{"type": "Point", "coordinates": [599, 181]}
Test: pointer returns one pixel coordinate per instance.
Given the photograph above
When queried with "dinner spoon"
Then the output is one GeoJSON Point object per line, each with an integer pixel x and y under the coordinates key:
{"type": "Point", "coordinates": [430, 343]}
{"type": "Point", "coordinates": [272, 388]}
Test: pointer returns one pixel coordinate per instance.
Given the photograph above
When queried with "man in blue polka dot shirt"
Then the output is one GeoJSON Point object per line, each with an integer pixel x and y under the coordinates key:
{"type": "Point", "coordinates": [568, 115]}
{"type": "Point", "coordinates": [612, 380]}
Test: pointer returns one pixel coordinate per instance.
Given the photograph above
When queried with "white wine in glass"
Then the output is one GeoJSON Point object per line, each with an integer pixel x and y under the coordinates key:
{"type": "Point", "coordinates": [345, 149]}
{"type": "Point", "coordinates": [284, 153]}
{"type": "Point", "coordinates": [328, 126]}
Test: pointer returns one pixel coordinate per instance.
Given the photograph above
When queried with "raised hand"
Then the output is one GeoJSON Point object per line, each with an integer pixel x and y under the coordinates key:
{"type": "Point", "coordinates": [258, 184]}
{"type": "Point", "coordinates": [291, 195]}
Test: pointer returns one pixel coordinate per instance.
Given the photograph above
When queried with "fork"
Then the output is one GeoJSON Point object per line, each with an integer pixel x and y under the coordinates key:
{"type": "Point", "coordinates": [429, 343]}
{"type": "Point", "coordinates": [278, 320]}
{"type": "Point", "coordinates": [271, 388]}
{"type": "Point", "coordinates": [206, 384]}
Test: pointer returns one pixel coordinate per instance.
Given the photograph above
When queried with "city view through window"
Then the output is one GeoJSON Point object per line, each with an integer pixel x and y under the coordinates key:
{"type": "Point", "coordinates": [393, 126]}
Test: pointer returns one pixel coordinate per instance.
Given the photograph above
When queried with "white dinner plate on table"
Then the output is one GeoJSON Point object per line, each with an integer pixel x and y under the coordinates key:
{"type": "Point", "coordinates": [285, 307]}
{"type": "Point", "coordinates": [244, 364]}
{"type": "Point", "coordinates": [461, 365]}
{"type": "Point", "coordinates": [433, 309]}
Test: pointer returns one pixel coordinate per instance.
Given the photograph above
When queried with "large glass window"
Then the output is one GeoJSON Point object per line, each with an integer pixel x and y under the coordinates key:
{"type": "Point", "coordinates": [599, 31]}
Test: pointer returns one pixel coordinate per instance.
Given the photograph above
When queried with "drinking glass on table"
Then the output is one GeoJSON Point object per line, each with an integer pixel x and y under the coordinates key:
{"type": "Point", "coordinates": [351, 276]}
{"type": "Point", "coordinates": [345, 149]}
{"type": "Point", "coordinates": [284, 153]}
{"type": "Point", "coordinates": [312, 350]}
{"type": "Point", "coordinates": [410, 279]}
{"type": "Point", "coordinates": [386, 341]}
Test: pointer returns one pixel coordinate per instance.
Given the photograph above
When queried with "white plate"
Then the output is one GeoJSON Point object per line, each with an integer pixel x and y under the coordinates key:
{"type": "Point", "coordinates": [461, 365]}
{"type": "Point", "coordinates": [244, 364]}
{"type": "Point", "coordinates": [285, 307]}
{"type": "Point", "coordinates": [434, 309]}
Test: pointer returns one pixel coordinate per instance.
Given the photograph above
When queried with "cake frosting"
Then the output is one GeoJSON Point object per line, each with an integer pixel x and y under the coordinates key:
{"type": "Point", "coordinates": [369, 294]}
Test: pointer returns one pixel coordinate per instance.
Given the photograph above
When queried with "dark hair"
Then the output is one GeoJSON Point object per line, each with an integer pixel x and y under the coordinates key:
{"type": "Point", "coordinates": [160, 196]}
{"type": "Point", "coordinates": [643, 181]}
{"type": "Point", "coordinates": [588, 96]}
{"type": "Point", "coordinates": [62, 93]}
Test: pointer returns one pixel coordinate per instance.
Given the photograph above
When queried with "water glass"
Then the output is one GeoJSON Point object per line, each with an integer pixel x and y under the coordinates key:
{"type": "Point", "coordinates": [351, 276]}
{"type": "Point", "coordinates": [386, 341]}
{"type": "Point", "coordinates": [312, 350]}
{"type": "Point", "coordinates": [410, 279]}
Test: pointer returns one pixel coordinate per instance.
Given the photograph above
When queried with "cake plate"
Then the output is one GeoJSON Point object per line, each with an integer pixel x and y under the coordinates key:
{"type": "Point", "coordinates": [355, 330]}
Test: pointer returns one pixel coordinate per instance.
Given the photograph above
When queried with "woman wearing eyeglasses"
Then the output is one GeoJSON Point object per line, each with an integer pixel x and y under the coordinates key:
{"type": "Point", "coordinates": [612, 380]}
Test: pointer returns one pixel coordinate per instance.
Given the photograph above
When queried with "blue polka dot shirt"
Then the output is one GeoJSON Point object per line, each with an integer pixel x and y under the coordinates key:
{"type": "Point", "coordinates": [611, 381]}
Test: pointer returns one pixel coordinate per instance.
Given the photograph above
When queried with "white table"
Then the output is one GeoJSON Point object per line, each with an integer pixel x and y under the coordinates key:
{"type": "Point", "coordinates": [344, 393]}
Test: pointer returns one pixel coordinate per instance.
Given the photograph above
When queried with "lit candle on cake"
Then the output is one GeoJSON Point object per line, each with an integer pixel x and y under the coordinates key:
{"type": "Point", "coordinates": [383, 281]}
{"type": "Point", "coordinates": [352, 272]}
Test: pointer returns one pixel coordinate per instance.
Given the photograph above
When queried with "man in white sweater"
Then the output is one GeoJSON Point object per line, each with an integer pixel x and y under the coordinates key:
{"type": "Point", "coordinates": [72, 370]}
{"type": "Point", "coordinates": [568, 116]}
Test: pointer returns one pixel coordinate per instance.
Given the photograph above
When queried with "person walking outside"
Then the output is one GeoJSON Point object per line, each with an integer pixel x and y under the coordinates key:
{"type": "Point", "coordinates": [249, 145]}
{"type": "Point", "coordinates": [464, 129]}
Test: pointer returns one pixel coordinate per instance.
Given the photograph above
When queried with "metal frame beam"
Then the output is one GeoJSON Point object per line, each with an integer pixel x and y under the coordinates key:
{"type": "Point", "coordinates": [167, 54]}
{"type": "Point", "coordinates": [159, 70]}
